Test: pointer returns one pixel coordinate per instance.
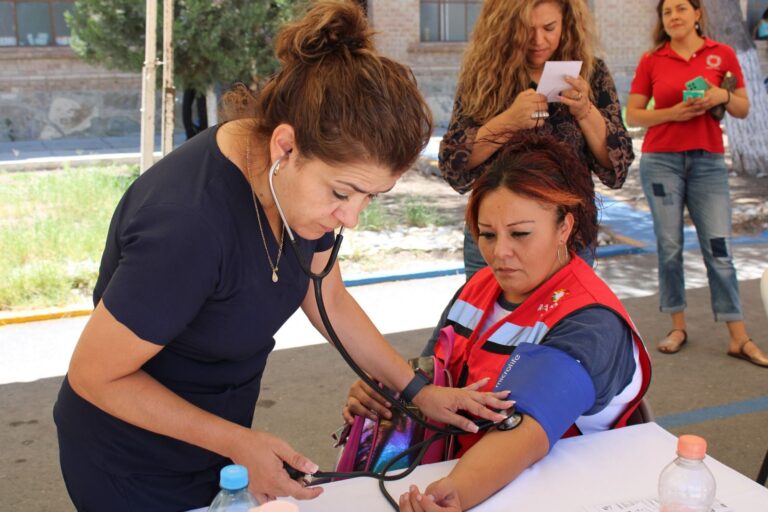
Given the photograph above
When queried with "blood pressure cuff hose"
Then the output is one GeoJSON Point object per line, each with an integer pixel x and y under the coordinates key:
{"type": "Point", "coordinates": [548, 385]}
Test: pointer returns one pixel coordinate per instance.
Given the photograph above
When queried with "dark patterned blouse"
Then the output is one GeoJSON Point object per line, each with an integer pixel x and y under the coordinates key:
{"type": "Point", "coordinates": [457, 142]}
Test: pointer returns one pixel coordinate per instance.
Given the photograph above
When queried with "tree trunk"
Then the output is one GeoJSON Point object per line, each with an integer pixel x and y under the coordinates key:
{"type": "Point", "coordinates": [211, 103]}
{"type": "Point", "coordinates": [746, 137]}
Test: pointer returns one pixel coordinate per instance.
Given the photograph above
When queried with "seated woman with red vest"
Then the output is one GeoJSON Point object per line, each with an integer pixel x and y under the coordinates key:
{"type": "Point", "coordinates": [537, 322]}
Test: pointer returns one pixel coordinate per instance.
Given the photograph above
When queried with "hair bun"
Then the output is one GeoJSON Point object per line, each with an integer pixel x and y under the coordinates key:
{"type": "Point", "coordinates": [328, 27]}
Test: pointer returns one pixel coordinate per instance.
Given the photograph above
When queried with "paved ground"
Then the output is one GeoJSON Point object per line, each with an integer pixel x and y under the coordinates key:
{"type": "Point", "coordinates": [699, 390]}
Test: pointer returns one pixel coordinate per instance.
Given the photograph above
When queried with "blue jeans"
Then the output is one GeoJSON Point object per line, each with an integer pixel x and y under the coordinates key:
{"type": "Point", "coordinates": [697, 180]}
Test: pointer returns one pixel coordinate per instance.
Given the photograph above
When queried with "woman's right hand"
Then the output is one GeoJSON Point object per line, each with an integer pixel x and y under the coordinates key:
{"type": "Point", "coordinates": [519, 116]}
{"type": "Point", "coordinates": [263, 454]}
{"type": "Point", "coordinates": [364, 401]}
{"type": "Point", "coordinates": [686, 110]}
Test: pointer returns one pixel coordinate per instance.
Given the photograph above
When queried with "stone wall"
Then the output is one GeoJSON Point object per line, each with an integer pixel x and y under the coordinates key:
{"type": "Point", "coordinates": [48, 93]}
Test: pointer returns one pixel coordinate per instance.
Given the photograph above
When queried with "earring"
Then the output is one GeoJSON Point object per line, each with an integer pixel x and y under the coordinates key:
{"type": "Point", "coordinates": [698, 27]}
{"type": "Point", "coordinates": [562, 260]}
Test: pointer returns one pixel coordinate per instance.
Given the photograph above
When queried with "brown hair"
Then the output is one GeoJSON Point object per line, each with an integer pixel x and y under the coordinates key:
{"type": "Point", "coordinates": [545, 169]}
{"type": "Point", "coordinates": [660, 36]}
{"type": "Point", "coordinates": [494, 69]}
{"type": "Point", "coordinates": [345, 102]}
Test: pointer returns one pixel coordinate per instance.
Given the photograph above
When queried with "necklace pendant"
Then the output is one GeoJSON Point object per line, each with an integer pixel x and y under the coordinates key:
{"type": "Point", "coordinates": [274, 275]}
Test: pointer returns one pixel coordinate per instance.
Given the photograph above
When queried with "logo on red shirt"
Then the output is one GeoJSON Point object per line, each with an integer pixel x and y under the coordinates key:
{"type": "Point", "coordinates": [714, 61]}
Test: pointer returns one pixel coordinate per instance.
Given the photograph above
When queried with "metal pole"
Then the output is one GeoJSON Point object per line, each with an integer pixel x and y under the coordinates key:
{"type": "Point", "coordinates": [148, 88]}
{"type": "Point", "coordinates": [169, 91]}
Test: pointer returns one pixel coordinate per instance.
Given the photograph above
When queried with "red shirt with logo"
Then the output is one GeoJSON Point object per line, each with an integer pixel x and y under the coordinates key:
{"type": "Point", "coordinates": [662, 74]}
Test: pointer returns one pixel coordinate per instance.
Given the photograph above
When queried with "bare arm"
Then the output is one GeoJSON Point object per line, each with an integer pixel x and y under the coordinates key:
{"type": "Point", "coordinates": [106, 371]}
{"type": "Point", "coordinates": [736, 103]}
{"type": "Point", "coordinates": [639, 115]}
{"type": "Point", "coordinates": [376, 356]}
{"type": "Point", "coordinates": [497, 459]}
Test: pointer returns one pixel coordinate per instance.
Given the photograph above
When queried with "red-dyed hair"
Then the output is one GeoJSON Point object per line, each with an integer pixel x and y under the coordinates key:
{"type": "Point", "coordinates": [547, 170]}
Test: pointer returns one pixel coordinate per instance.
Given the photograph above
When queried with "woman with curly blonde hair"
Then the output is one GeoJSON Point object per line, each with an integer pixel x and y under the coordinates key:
{"type": "Point", "coordinates": [496, 96]}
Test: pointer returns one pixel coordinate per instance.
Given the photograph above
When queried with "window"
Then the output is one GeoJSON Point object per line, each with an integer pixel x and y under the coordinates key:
{"type": "Point", "coordinates": [34, 22]}
{"type": "Point", "coordinates": [448, 20]}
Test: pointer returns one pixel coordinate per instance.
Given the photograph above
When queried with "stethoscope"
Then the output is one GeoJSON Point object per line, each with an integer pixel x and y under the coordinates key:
{"type": "Point", "coordinates": [513, 419]}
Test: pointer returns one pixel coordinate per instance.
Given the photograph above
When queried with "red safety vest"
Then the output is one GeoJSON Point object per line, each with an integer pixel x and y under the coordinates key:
{"type": "Point", "coordinates": [572, 288]}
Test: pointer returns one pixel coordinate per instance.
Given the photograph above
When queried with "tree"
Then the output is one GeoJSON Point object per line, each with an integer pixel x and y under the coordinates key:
{"type": "Point", "coordinates": [215, 41]}
{"type": "Point", "coordinates": [746, 138]}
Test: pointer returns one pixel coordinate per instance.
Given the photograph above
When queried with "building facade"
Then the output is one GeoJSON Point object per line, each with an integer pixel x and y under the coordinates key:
{"type": "Point", "coordinates": [47, 92]}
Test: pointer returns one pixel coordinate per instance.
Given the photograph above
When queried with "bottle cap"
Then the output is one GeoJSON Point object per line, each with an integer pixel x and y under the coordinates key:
{"type": "Point", "coordinates": [691, 447]}
{"type": "Point", "coordinates": [233, 477]}
{"type": "Point", "coordinates": [276, 506]}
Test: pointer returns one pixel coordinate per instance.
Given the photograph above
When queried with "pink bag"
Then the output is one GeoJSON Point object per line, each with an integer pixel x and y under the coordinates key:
{"type": "Point", "coordinates": [369, 445]}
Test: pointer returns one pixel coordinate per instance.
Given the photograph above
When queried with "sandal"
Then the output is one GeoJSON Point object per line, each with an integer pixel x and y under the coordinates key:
{"type": "Point", "coordinates": [668, 346]}
{"type": "Point", "coordinates": [758, 359]}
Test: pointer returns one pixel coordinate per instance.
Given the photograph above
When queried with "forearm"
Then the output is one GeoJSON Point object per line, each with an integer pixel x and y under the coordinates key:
{"type": "Point", "coordinates": [642, 117]}
{"type": "Point", "coordinates": [490, 137]}
{"type": "Point", "coordinates": [142, 401]}
{"type": "Point", "coordinates": [361, 339]}
{"type": "Point", "coordinates": [738, 105]}
{"type": "Point", "coordinates": [497, 459]}
{"type": "Point", "coordinates": [595, 133]}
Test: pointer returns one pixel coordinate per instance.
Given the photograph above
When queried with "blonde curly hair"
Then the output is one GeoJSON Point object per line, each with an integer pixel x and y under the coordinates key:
{"type": "Point", "coordinates": [495, 69]}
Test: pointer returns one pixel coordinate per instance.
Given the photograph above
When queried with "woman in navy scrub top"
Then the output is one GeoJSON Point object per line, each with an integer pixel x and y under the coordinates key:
{"type": "Point", "coordinates": [196, 279]}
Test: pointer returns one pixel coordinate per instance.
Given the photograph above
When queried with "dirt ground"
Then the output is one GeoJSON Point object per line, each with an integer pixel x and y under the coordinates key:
{"type": "Point", "coordinates": [749, 195]}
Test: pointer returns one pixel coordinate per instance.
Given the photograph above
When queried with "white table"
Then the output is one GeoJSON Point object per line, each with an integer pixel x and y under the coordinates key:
{"type": "Point", "coordinates": [596, 469]}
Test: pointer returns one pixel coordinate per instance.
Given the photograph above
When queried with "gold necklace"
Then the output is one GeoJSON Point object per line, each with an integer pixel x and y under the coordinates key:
{"type": "Point", "coordinates": [258, 216]}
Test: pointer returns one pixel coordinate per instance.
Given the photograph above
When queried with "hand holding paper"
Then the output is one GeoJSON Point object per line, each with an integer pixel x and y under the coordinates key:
{"type": "Point", "coordinates": [552, 80]}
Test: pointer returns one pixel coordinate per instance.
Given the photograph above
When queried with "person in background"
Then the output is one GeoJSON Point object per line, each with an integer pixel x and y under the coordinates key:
{"type": "Point", "coordinates": [760, 32]}
{"type": "Point", "coordinates": [195, 279]}
{"type": "Point", "coordinates": [537, 321]}
{"type": "Point", "coordinates": [496, 97]}
{"type": "Point", "coordinates": [682, 165]}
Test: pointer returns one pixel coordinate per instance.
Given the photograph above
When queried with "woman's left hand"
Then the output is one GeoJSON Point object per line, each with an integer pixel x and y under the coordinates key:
{"type": "Point", "coordinates": [442, 404]}
{"type": "Point", "coordinates": [577, 98]}
{"type": "Point", "coordinates": [713, 96]}
{"type": "Point", "coordinates": [440, 496]}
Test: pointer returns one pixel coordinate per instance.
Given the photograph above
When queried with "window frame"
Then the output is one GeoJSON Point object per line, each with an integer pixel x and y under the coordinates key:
{"type": "Point", "coordinates": [441, 15]}
{"type": "Point", "coordinates": [51, 24]}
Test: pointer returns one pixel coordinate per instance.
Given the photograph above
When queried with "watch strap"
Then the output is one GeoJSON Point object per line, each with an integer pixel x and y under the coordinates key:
{"type": "Point", "coordinates": [418, 382]}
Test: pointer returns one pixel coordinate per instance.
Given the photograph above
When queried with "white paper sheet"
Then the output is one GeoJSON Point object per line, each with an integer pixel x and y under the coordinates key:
{"type": "Point", "coordinates": [553, 78]}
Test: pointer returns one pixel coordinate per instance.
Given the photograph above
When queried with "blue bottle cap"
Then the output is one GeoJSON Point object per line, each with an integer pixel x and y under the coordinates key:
{"type": "Point", "coordinates": [233, 477]}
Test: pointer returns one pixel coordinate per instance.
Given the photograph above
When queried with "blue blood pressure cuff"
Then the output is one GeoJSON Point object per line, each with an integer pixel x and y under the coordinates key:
{"type": "Point", "coordinates": [549, 385]}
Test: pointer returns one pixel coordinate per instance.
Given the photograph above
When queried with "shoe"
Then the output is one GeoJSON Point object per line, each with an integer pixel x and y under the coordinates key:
{"type": "Point", "coordinates": [668, 346]}
{"type": "Point", "coordinates": [759, 359]}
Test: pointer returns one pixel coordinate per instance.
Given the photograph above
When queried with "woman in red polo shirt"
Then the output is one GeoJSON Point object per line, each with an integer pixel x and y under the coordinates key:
{"type": "Point", "coordinates": [682, 164]}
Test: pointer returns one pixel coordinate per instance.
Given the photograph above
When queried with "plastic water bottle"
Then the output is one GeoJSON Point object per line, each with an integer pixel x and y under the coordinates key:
{"type": "Point", "coordinates": [687, 484]}
{"type": "Point", "coordinates": [234, 495]}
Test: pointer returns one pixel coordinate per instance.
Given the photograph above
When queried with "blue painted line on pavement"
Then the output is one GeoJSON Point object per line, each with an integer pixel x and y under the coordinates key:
{"type": "Point", "coordinates": [714, 413]}
{"type": "Point", "coordinates": [376, 279]}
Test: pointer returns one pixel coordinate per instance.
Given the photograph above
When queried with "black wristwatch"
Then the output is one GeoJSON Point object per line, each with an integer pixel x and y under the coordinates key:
{"type": "Point", "coordinates": [418, 381]}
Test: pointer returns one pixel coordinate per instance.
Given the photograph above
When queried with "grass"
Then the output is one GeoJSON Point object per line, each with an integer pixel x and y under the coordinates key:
{"type": "Point", "coordinates": [52, 231]}
{"type": "Point", "coordinates": [53, 226]}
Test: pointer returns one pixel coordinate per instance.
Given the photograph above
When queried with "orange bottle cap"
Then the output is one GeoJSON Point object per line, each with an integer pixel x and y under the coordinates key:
{"type": "Point", "coordinates": [691, 447]}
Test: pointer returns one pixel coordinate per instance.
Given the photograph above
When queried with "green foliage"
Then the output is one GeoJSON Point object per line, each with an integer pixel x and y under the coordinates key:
{"type": "Point", "coordinates": [215, 41]}
{"type": "Point", "coordinates": [419, 213]}
{"type": "Point", "coordinates": [374, 218]}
